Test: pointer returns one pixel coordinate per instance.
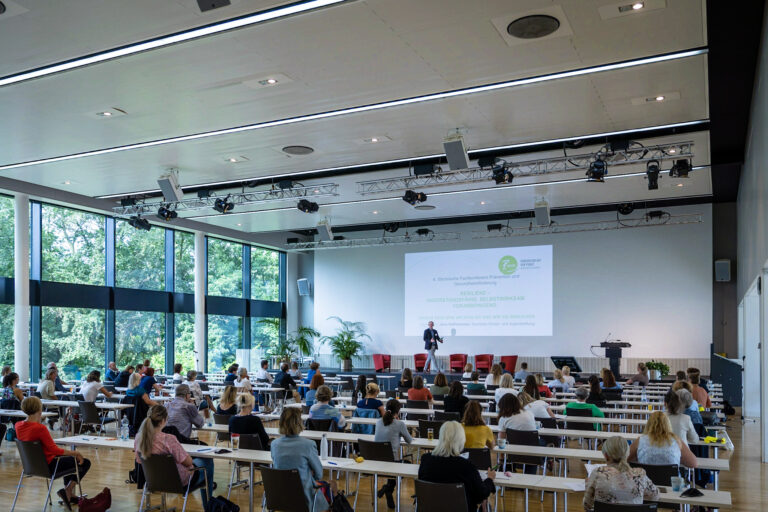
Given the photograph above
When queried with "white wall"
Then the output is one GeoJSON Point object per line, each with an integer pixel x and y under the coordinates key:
{"type": "Point", "coordinates": [649, 286]}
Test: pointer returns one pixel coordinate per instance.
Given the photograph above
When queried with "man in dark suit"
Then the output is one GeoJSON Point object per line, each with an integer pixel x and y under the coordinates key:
{"type": "Point", "coordinates": [431, 339]}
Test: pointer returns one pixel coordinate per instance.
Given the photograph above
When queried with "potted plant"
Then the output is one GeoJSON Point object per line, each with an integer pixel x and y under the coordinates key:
{"type": "Point", "coordinates": [657, 369]}
{"type": "Point", "coordinates": [304, 340]}
{"type": "Point", "coordinates": [347, 342]}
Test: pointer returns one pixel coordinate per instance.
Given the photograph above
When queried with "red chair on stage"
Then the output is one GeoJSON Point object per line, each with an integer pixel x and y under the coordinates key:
{"type": "Point", "coordinates": [419, 360]}
{"type": "Point", "coordinates": [457, 362]}
{"type": "Point", "coordinates": [483, 362]}
{"type": "Point", "coordinates": [510, 362]}
{"type": "Point", "coordinates": [382, 362]}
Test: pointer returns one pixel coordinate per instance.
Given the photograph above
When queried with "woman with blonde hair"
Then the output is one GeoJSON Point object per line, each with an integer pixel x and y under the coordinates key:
{"type": "Point", "coordinates": [659, 445]}
{"type": "Point", "coordinates": [151, 440]}
{"type": "Point", "coordinates": [506, 386]}
{"type": "Point", "coordinates": [446, 465]}
{"type": "Point", "coordinates": [494, 378]}
{"type": "Point", "coordinates": [571, 381]}
{"type": "Point", "coordinates": [440, 386]}
{"type": "Point", "coordinates": [558, 383]}
{"type": "Point", "coordinates": [542, 386]}
{"type": "Point", "coordinates": [539, 408]}
{"type": "Point", "coordinates": [476, 432]}
{"type": "Point", "coordinates": [245, 423]}
{"type": "Point", "coordinates": [227, 402]}
{"type": "Point", "coordinates": [641, 377]}
{"type": "Point", "coordinates": [467, 371]}
{"type": "Point", "coordinates": [617, 482]}
{"type": "Point", "coordinates": [136, 390]}
{"type": "Point", "coordinates": [371, 399]}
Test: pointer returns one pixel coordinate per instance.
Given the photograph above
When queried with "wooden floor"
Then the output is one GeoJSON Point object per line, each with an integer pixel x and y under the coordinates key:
{"type": "Point", "coordinates": [747, 480]}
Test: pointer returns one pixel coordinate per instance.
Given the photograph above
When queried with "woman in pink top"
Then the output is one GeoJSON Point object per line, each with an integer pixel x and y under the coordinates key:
{"type": "Point", "coordinates": [151, 440]}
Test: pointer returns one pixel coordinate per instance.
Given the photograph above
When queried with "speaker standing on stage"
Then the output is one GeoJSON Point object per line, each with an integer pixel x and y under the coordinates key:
{"type": "Point", "coordinates": [431, 338]}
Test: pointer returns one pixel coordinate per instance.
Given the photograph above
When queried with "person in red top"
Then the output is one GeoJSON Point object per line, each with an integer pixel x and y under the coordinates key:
{"type": "Point", "coordinates": [418, 391]}
{"type": "Point", "coordinates": [699, 393]}
{"type": "Point", "coordinates": [32, 429]}
{"type": "Point", "coordinates": [543, 388]}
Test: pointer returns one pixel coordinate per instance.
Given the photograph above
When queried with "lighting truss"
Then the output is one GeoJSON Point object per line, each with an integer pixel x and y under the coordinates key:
{"type": "Point", "coordinates": [239, 199]}
{"type": "Point", "coordinates": [624, 223]}
{"type": "Point", "coordinates": [634, 155]}
{"type": "Point", "coordinates": [374, 242]}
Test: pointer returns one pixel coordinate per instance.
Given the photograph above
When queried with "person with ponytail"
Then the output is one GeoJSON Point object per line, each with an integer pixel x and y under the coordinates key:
{"type": "Point", "coordinates": [151, 440]}
{"type": "Point", "coordinates": [617, 482]}
{"type": "Point", "coordinates": [642, 376]}
{"type": "Point", "coordinates": [246, 423]}
{"type": "Point", "coordinates": [389, 428]}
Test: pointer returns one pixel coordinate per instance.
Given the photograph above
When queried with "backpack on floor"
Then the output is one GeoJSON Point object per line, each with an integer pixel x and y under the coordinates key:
{"type": "Point", "coordinates": [99, 503]}
{"type": "Point", "coordinates": [341, 504]}
{"type": "Point", "coordinates": [221, 504]}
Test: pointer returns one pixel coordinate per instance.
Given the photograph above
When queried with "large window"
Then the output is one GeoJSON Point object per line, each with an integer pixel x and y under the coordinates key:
{"type": "Point", "coordinates": [265, 274]}
{"type": "Point", "coordinates": [225, 336]}
{"type": "Point", "coordinates": [184, 342]}
{"type": "Point", "coordinates": [73, 246]}
{"type": "Point", "coordinates": [74, 339]}
{"type": "Point", "coordinates": [6, 334]}
{"type": "Point", "coordinates": [139, 257]}
{"type": "Point", "coordinates": [184, 253]}
{"type": "Point", "coordinates": [225, 268]}
{"type": "Point", "coordinates": [6, 237]}
{"type": "Point", "coordinates": [140, 335]}
{"type": "Point", "coordinates": [265, 333]}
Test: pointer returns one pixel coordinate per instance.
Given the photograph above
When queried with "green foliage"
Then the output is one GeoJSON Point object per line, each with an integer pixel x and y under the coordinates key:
{"type": "Point", "coordinates": [657, 365]}
{"type": "Point", "coordinates": [73, 246]}
{"type": "Point", "coordinates": [348, 340]}
{"type": "Point", "coordinates": [265, 274]}
{"type": "Point", "coordinates": [184, 255]}
{"type": "Point", "coordinates": [225, 336]}
{"type": "Point", "coordinates": [140, 335]}
{"type": "Point", "coordinates": [139, 257]}
{"type": "Point", "coordinates": [184, 342]}
{"type": "Point", "coordinates": [225, 268]}
{"type": "Point", "coordinates": [304, 340]}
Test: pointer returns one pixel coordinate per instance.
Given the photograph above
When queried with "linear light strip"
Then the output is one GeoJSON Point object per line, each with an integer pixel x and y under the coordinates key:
{"type": "Point", "coordinates": [160, 42]}
{"type": "Point", "coordinates": [368, 108]}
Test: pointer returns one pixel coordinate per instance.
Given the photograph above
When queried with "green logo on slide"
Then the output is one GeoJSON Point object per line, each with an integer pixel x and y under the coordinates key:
{"type": "Point", "coordinates": [508, 265]}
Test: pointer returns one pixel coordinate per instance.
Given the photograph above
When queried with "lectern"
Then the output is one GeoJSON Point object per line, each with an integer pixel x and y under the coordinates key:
{"type": "Point", "coordinates": [613, 353]}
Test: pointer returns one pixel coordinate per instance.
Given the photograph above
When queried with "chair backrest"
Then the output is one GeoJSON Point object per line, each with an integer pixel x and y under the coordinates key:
{"type": "Point", "coordinates": [510, 362]}
{"type": "Point", "coordinates": [441, 416]}
{"type": "Point", "coordinates": [283, 490]}
{"type": "Point", "coordinates": [33, 458]}
{"type": "Point", "coordinates": [376, 450]}
{"type": "Point", "coordinates": [660, 474]}
{"type": "Point", "coordinates": [11, 404]}
{"type": "Point", "coordinates": [203, 386]}
{"type": "Point", "coordinates": [578, 425]}
{"type": "Point", "coordinates": [438, 397]}
{"type": "Point", "coordinates": [527, 438]}
{"type": "Point", "coordinates": [612, 394]}
{"type": "Point", "coordinates": [162, 475]}
{"type": "Point", "coordinates": [425, 425]}
{"type": "Point", "coordinates": [434, 496]}
{"type": "Point", "coordinates": [479, 457]}
{"type": "Point", "coordinates": [403, 391]}
{"type": "Point", "coordinates": [390, 393]}
{"type": "Point", "coordinates": [417, 404]}
{"type": "Point", "coordinates": [320, 425]}
{"type": "Point", "coordinates": [89, 415]}
{"type": "Point", "coordinates": [305, 409]}
{"type": "Point", "coordinates": [222, 419]}
{"type": "Point", "coordinates": [615, 507]}
{"type": "Point", "coordinates": [250, 442]}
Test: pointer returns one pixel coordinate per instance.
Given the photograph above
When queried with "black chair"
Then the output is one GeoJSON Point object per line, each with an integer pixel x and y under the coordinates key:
{"type": "Point", "coordinates": [283, 490]}
{"type": "Point", "coordinates": [417, 404]}
{"type": "Point", "coordinates": [490, 389]}
{"type": "Point", "coordinates": [425, 425]}
{"type": "Point", "coordinates": [479, 457]}
{"type": "Point", "coordinates": [224, 437]}
{"type": "Point", "coordinates": [204, 386]}
{"type": "Point", "coordinates": [442, 416]}
{"type": "Point", "coordinates": [89, 415]}
{"type": "Point", "coordinates": [526, 438]}
{"type": "Point", "coordinates": [247, 442]}
{"type": "Point", "coordinates": [403, 391]}
{"type": "Point", "coordinates": [336, 449]}
{"type": "Point", "coordinates": [438, 397]}
{"type": "Point", "coordinates": [551, 423]}
{"type": "Point", "coordinates": [434, 496]}
{"type": "Point", "coordinates": [612, 395]}
{"type": "Point", "coordinates": [390, 394]}
{"type": "Point", "coordinates": [372, 450]}
{"type": "Point", "coordinates": [162, 476]}
{"type": "Point", "coordinates": [33, 464]}
{"type": "Point", "coordinates": [579, 425]}
{"type": "Point", "coordinates": [659, 474]}
{"type": "Point", "coordinates": [615, 507]}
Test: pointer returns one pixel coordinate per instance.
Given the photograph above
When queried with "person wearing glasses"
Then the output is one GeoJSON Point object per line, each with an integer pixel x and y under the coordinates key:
{"type": "Point", "coordinates": [183, 413]}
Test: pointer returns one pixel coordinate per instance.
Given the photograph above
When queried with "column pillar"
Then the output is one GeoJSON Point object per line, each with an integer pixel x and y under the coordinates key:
{"type": "Point", "coordinates": [201, 358]}
{"type": "Point", "coordinates": [21, 286]}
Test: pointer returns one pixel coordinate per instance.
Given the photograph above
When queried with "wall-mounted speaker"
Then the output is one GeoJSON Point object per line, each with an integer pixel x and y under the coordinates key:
{"type": "Point", "coordinates": [304, 288]}
{"type": "Point", "coordinates": [208, 5]}
{"type": "Point", "coordinates": [722, 271]}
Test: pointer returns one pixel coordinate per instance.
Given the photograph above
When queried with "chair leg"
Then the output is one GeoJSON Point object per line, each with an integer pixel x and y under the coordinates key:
{"type": "Point", "coordinates": [143, 497]}
{"type": "Point", "coordinates": [48, 498]}
{"type": "Point", "coordinates": [18, 489]}
{"type": "Point", "coordinates": [357, 492]}
{"type": "Point", "coordinates": [231, 480]}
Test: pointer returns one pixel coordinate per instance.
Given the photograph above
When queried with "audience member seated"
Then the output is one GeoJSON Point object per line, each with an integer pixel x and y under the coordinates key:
{"type": "Point", "coordinates": [680, 375]}
{"type": "Point", "coordinates": [476, 432]}
{"type": "Point", "coordinates": [406, 379]}
{"type": "Point", "coordinates": [151, 440]}
{"type": "Point", "coordinates": [581, 396]}
{"type": "Point", "coordinates": [570, 380]}
{"type": "Point", "coordinates": [145, 367]}
{"type": "Point", "coordinates": [202, 402]}
{"type": "Point", "coordinates": [596, 396]}
{"type": "Point", "coordinates": [313, 369]}
{"type": "Point", "coordinates": [246, 423]}
{"type": "Point", "coordinates": [262, 375]}
{"type": "Point", "coordinates": [92, 387]}
{"type": "Point", "coordinates": [690, 407]}
{"type": "Point", "coordinates": [641, 377]}
{"type": "Point", "coordinates": [5, 371]}
{"type": "Point", "coordinates": [543, 388]}
{"type": "Point", "coordinates": [122, 380]}
{"type": "Point", "coordinates": [231, 375]}
{"type": "Point", "coordinates": [617, 482]}
{"type": "Point", "coordinates": [317, 381]}
{"type": "Point", "coordinates": [531, 387]}
{"type": "Point", "coordinates": [494, 378]}
{"type": "Point", "coordinates": [362, 382]}
{"type": "Point", "coordinates": [659, 445]}
{"type": "Point", "coordinates": [10, 389]}
{"type": "Point", "coordinates": [283, 378]}
{"type": "Point", "coordinates": [300, 453]}
{"type": "Point", "coordinates": [149, 383]}
{"type": "Point", "coordinates": [609, 381]}
{"type": "Point", "coordinates": [455, 401]}
{"type": "Point", "coordinates": [681, 423]}
{"type": "Point", "coordinates": [446, 465]}
{"type": "Point", "coordinates": [295, 372]}
{"type": "Point", "coordinates": [112, 372]}
{"type": "Point", "coordinates": [140, 369]}
{"type": "Point", "coordinates": [558, 384]}
{"type": "Point", "coordinates": [539, 408]}
{"type": "Point", "coordinates": [474, 387]}
{"type": "Point", "coordinates": [32, 429]}
{"type": "Point", "coordinates": [389, 428]}
{"type": "Point", "coordinates": [440, 386]}
{"type": "Point", "coordinates": [371, 400]}
{"type": "Point", "coordinates": [59, 384]}
{"type": "Point", "coordinates": [467, 371]}
{"type": "Point", "coordinates": [699, 393]}
{"type": "Point", "coordinates": [507, 386]}
{"type": "Point", "coordinates": [183, 413]}
{"type": "Point", "coordinates": [418, 391]}
{"type": "Point", "coordinates": [47, 386]}
{"type": "Point", "coordinates": [504, 370]}
{"type": "Point", "coordinates": [522, 374]}
{"type": "Point", "coordinates": [702, 381]}
{"type": "Point", "coordinates": [512, 415]}
{"type": "Point", "coordinates": [322, 410]}
{"type": "Point", "coordinates": [136, 391]}
{"type": "Point", "coordinates": [227, 402]}
{"type": "Point", "coordinates": [243, 383]}
{"type": "Point", "coordinates": [177, 378]}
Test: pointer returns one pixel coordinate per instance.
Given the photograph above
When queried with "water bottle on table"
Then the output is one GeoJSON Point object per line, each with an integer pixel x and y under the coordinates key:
{"type": "Point", "coordinates": [124, 434]}
{"type": "Point", "coordinates": [324, 448]}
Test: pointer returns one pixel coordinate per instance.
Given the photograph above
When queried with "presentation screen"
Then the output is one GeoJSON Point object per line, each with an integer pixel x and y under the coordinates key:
{"type": "Point", "coordinates": [481, 292]}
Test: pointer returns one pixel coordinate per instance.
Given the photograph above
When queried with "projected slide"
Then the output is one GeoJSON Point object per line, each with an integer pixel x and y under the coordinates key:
{"type": "Point", "coordinates": [482, 292]}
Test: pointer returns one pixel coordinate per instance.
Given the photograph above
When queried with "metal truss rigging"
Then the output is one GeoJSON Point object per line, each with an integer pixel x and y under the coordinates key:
{"type": "Point", "coordinates": [408, 238]}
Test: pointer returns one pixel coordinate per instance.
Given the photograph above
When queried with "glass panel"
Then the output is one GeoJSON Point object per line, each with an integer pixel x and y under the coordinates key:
{"type": "Point", "coordinates": [185, 340]}
{"type": "Point", "coordinates": [225, 336]}
{"type": "Point", "coordinates": [6, 334]}
{"type": "Point", "coordinates": [73, 246]}
{"type": "Point", "coordinates": [265, 333]}
{"type": "Point", "coordinates": [140, 335]}
{"type": "Point", "coordinates": [225, 268]}
{"type": "Point", "coordinates": [265, 274]}
{"type": "Point", "coordinates": [6, 238]}
{"type": "Point", "coordinates": [139, 257]}
{"type": "Point", "coordinates": [184, 251]}
{"type": "Point", "coordinates": [74, 339]}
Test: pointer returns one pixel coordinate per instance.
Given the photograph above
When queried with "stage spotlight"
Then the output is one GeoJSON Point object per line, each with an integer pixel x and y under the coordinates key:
{"type": "Point", "coordinates": [680, 169]}
{"type": "Point", "coordinates": [307, 206]}
{"type": "Point", "coordinates": [392, 227]}
{"type": "Point", "coordinates": [166, 214]}
{"type": "Point", "coordinates": [223, 205]}
{"type": "Point", "coordinates": [139, 223]}
{"type": "Point", "coordinates": [597, 171]}
{"type": "Point", "coordinates": [501, 175]}
{"type": "Point", "coordinates": [413, 198]}
{"type": "Point", "coordinates": [127, 201]}
{"type": "Point", "coordinates": [423, 232]}
{"type": "Point", "coordinates": [652, 173]}
{"type": "Point", "coordinates": [495, 227]}
{"type": "Point", "coordinates": [625, 208]}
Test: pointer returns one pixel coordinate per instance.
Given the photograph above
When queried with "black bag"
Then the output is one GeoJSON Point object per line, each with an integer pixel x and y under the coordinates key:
{"type": "Point", "coordinates": [728, 409]}
{"type": "Point", "coordinates": [136, 476]}
{"type": "Point", "coordinates": [221, 504]}
{"type": "Point", "coordinates": [341, 504]}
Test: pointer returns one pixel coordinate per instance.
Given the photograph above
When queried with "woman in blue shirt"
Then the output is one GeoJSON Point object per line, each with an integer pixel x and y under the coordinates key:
{"type": "Point", "coordinates": [371, 400]}
{"type": "Point", "coordinates": [149, 383]}
{"type": "Point", "coordinates": [322, 410]}
{"type": "Point", "coordinates": [609, 380]}
{"type": "Point", "coordinates": [135, 390]}
{"type": "Point", "coordinates": [317, 381]}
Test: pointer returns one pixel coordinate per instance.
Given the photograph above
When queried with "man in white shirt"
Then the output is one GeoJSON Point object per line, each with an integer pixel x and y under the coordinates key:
{"type": "Point", "coordinates": [262, 375]}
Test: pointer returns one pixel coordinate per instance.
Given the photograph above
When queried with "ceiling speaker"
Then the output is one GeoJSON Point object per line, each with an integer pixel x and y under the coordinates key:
{"type": "Point", "coordinates": [304, 288]}
{"type": "Point", "coordinates": [209, 5]}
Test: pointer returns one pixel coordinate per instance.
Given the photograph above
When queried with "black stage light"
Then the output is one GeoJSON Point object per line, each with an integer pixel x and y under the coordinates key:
{"type": "Point", "coordinates": [139, 223]}
{"type": "Point", "coordinates": [486, 161]}
{"type": "Point", "coordinates": [285, 184]}
{"type": "Point", "coordinates": [680, 169]}
{"type": "Point", "coordinates": [423, 231]}
{"type": "Point", "coordinates": [166, 214]}
{"type": "Point", "coordinates": [413, 198]}
{"type": "Point", "coordinates": [202, 194]}
{"type": "Point", "coordinates": [307, 206]}
{"type": "Point", "coordinates": [625, 208]}
{"type": "Point", "coordinates": [223, 205]}
{"type": "Point", "coordinates": [127, 201]}
{"type": "Point", "coordinates": [495, 227]}
{"type": "Point", "coordinates": [501, 175]}
{"type": "Point", "coordinates": [392, 227]}
{"type": "Point", "coordinates": [652, 171]}
{"type": "Point", "coordinates": [597, 171]}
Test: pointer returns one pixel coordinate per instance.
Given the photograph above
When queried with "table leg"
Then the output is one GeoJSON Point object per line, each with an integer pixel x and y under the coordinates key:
{"type": "Point", "coordinates": [554, 502]}
{"type": "Point", "coordinates": [399, 481]}
{"type": "Point", "coordinates": [250, 488]}
{"type": "Point", "coordinates": [375, 489]}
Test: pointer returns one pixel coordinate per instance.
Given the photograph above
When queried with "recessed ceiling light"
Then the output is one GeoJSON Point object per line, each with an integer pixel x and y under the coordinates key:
{"type": "Point", "coordinates": [271, 81]}
{"type": "Point", "coordinates": [424, 207]}
{"type": "Point", "coordinates": [236, 159]}
{"type": "Point", "coordinates": [659, 98]}
{"type": "Point", "coordinates": [482, 202]}
{"type": "Point", "coordinates": [638, 5]}
{"type": "Point", "coordinates": [679, 184]}
{"type": "Point", "coordinates": [375, 212]}
{"type": "Point", "coordinates": [267, 81]}
{"type": "Point", "coordinates": [105, 114]}
{"type": "Point", "coordinates": [672, 151]}
{"type": "Point", "coordinates": [374, 139]}
{"type": "Point", "coordinates": [297, 150]}
{"type": "Point", "coordinates": [239, 224]}
{"type": "Point", "coordinates": [66, 182]}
